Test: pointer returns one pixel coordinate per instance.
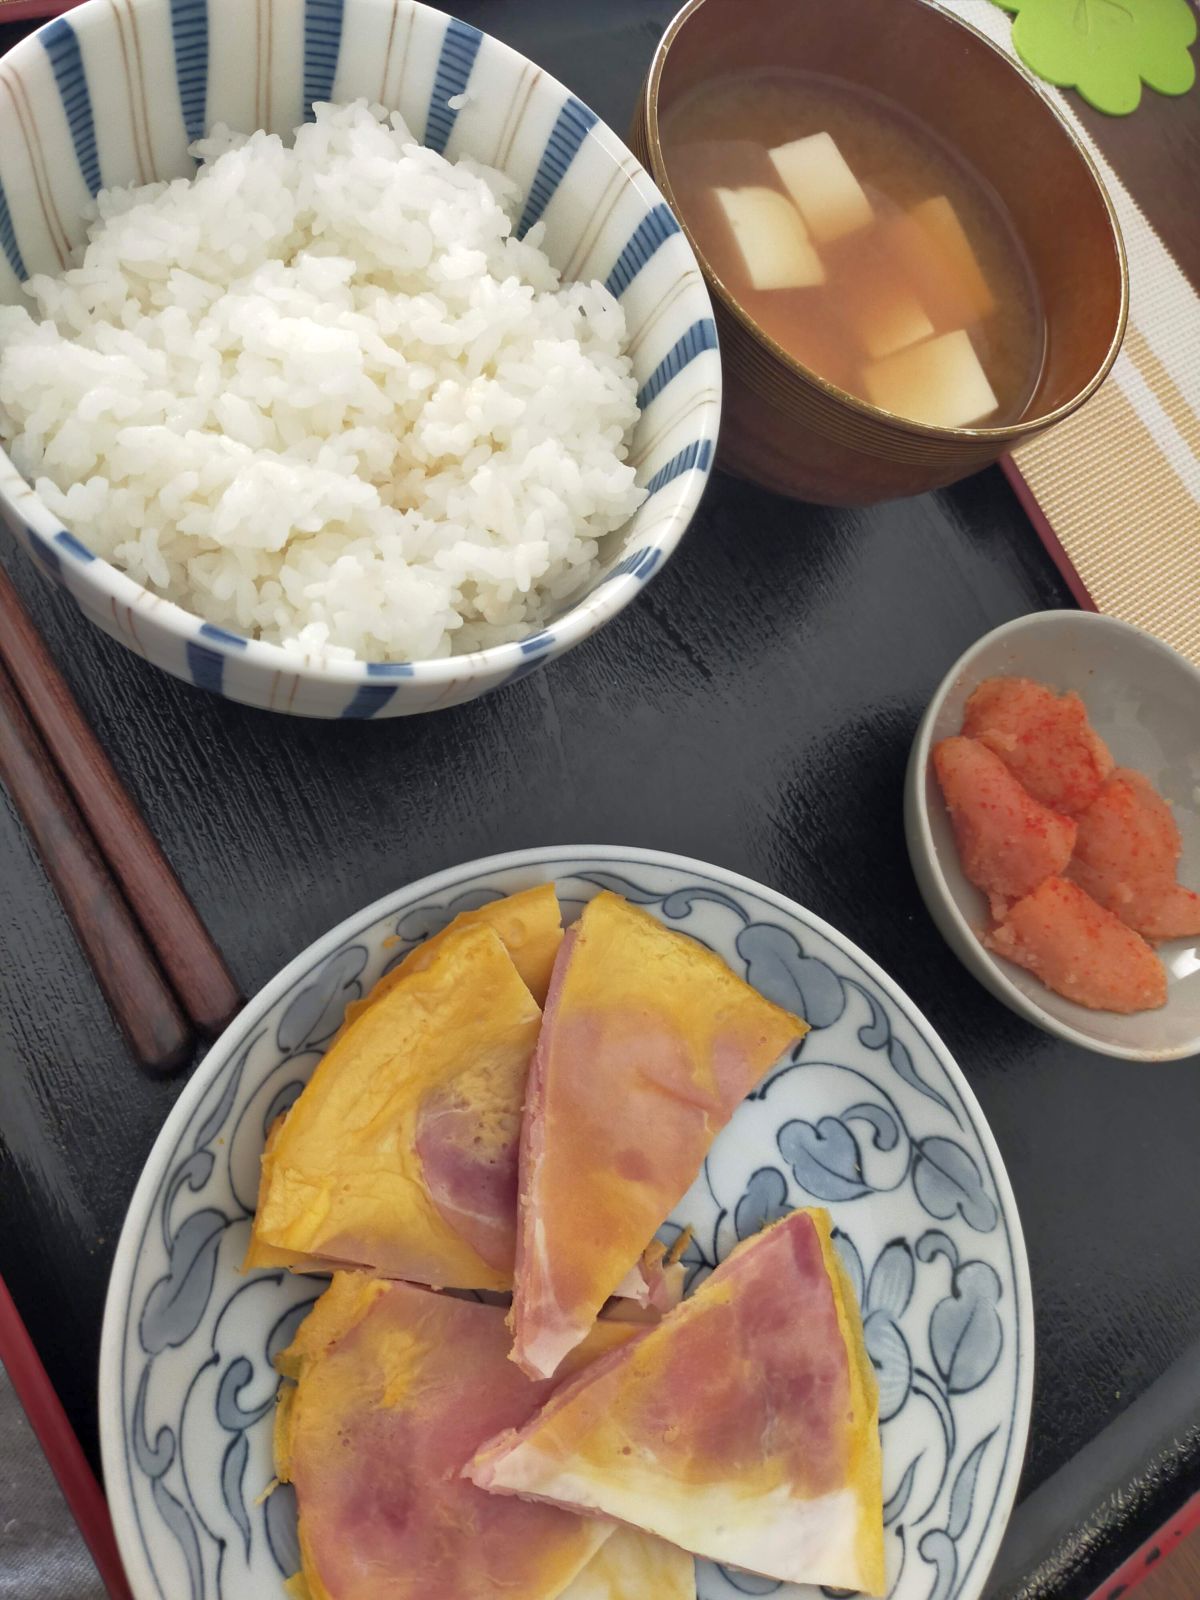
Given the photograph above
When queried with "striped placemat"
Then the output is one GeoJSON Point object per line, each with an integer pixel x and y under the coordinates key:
{"type": "Point", "coordinates": [1119, 482]}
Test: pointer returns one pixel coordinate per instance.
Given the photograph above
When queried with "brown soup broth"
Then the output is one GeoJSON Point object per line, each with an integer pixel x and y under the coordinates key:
{"type": "Point", "coordinates": [719, 136]}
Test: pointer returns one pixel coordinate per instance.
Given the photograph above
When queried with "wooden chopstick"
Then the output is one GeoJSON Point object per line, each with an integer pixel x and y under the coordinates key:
{"type": "Point", "coordinates": [182, 944]}
{"type": "Point", "coordinates": [135, 989]}
{"type": "Point", "coordinates": [61, 1448]}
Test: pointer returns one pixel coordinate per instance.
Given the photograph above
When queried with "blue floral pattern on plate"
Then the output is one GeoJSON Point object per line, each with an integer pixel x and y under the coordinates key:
{"type": "Point", "coordinates": [869, 1117]}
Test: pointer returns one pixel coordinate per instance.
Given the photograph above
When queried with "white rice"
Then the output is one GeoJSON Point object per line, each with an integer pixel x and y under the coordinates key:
{"type": "Point", "coordinates": [321, 395]}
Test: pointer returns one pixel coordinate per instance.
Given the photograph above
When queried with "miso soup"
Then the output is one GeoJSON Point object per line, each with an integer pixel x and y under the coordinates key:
{"type": "Point", "coordinates": [861, 243]}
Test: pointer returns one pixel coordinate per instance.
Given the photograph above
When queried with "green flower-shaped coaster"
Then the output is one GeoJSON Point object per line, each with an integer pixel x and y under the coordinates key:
{"type": "Point", "coordinates": [1106, 48]}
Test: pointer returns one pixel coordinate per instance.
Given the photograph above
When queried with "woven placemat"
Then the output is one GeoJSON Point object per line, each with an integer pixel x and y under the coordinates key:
{"type": "Point", "coordinates": [1119, 482]}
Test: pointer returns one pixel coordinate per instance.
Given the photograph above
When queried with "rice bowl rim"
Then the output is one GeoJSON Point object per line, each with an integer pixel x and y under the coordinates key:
{"type": "Point", "coordinates": [558, 633]}
{"type": "Point", "coordinates": [607, 596]}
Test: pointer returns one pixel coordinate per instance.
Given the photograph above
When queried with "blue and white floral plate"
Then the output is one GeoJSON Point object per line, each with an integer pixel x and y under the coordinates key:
{"type": "Point", "coordinates": [870, 1117]}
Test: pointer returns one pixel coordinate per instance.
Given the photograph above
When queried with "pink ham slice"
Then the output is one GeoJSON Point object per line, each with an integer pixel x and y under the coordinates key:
{"type": "Point", "coordinates": [743, 1426]}
{"type": "Point", "coordinates": [473, 1185]}
{"type": "Point", "coordinates": [397, 1388]}
{"type": "Point", "coordinates": [648, 1045]}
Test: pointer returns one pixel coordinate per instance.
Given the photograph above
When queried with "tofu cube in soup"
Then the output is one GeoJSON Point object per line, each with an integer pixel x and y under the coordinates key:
{"type": "Point", "coordinates": [877, 306]}
{"type": "Point", "coordinates": [939, 221]}
{"type": "Point", "coordinates": [831, 199]}
{"type": "Point", "coordinates": [860, 244]}
{"type": "Point", "coordinates": [771, 239]}
{"type": "Point", "coordinates": [941, 264]}
{"type": "Point", "coordinates": [939, 382]}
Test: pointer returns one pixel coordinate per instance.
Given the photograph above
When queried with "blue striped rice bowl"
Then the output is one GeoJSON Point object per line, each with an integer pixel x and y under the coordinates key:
{"type": "Point", "coordinates": [114, 93]}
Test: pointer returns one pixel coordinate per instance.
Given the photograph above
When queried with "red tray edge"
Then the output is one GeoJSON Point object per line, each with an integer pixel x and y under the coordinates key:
{"type": "Point", "coordinates": [28, 10]}
{"type": "Point", "coordinates": [1041, 526]}
{"type": "Point", "coordinates": [62, 1449]}
{"type": "Point", "coordinates": [1146, 1557]}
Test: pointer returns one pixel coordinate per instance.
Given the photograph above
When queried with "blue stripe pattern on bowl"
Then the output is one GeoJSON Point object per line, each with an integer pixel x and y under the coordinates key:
{"type": "Point", "coordinates": [369, 700]}
{"type": "Point", "coordinates": [189, 34]}
{"type": "Point", "coordinates": [636, 248]}
{"type": "Point", "coordinates": [459, 49]}
{"type": "Point", "coordinates": [574, 122]}
{"type": "Point", "coordinates": [207, 667]}
{"type": "Point", "coordinates": [322, 41]}
{"type": "Point", "coordinates": [700, 336]}
{"type": "Point", "coordinates": [655, 228]}
{"type": "Point", "coordinates": [8, 239]}
{"type": "Point", "coordinates": [61, 45]}
{"type": "Point", "coordinates": [76, 548]}
{"type": "Point", "coordinates": [697, 455]}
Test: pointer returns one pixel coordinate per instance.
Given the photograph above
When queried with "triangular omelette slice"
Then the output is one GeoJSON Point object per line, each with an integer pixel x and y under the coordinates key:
{"type": "Point", "coordinates": [648, 1046]}
{"type": "Point", "coordinates": [401, 1153]}
{"type": "Point", "coordinates": [529, 925]}
{"type": "Point", "coordinates": [743, 1426]}
{"type": "Point", "coordinates": [631, 1565]}
{"type": "Point", "coordinates": [394, 1387]}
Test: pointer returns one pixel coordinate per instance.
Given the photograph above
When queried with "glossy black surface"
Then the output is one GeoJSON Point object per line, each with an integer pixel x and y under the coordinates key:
{"type": "Point", "coordinates": [755, 709]}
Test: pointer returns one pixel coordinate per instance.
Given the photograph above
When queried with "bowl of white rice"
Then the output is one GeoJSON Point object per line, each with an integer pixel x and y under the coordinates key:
{"type": "Point", "coordinates": [349, 365]}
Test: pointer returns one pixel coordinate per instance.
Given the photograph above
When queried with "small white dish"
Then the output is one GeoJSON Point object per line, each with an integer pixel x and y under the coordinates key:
{"type": "Point", "coordinates": [1144, 701]}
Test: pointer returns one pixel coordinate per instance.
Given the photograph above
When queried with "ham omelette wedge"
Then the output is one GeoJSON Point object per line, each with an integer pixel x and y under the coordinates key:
{"type": "Point", "coordinates": [529, 925]}
{"type": "Point", "coordinates": [631, 1565]}
{"type": "Point", "coordinates": [401, 1153]}
{"type": "Point", "coordinates": [648, 1046]}
{"type": "Point", "coordinates": [392, 1389]}
{"type": "Point", "coordinates": [743, 1426]}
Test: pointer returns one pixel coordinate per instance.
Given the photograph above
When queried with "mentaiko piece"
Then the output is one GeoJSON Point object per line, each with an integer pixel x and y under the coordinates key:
{"type": "Point", "coordinates": [1080, 950]}
{"type": "Point", "coordinates": [401, 1153]}
{"type": "Point", "coordinates": [649, 1045]}
{"type": "Point", "coordinates": [1043, 738]}
{"type": "Point", "coordinates": [394, 1388]}
{"type": "Point", "coordinates": [1127, 856]}
{"type": "Point", "coordinates": [744, 1426]}
{"type": "Point", "coordinates": [1007, 841]}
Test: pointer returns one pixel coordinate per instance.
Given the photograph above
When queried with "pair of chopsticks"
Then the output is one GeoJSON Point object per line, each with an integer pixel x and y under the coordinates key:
{"type": "Point", "coordinates": [61, 1448]}
{"type": "Point", "coordinates": [162, 975]}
